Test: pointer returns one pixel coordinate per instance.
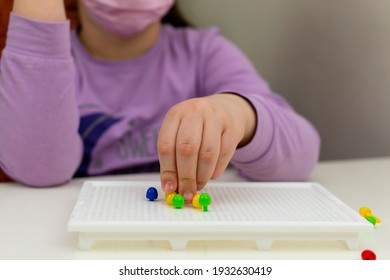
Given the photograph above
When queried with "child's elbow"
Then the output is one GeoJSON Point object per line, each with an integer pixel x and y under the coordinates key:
{"type": "Point", "coordinates": [46, 181]}
{"type": "Point", "coordinates": [296, 165]}
{"type": "Point", "coordinates": [299, 167]}
{"type": "Point", "coordinates": [43, 177]}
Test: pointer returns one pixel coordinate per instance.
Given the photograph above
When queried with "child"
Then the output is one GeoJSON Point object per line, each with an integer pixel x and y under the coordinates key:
{"type": "Point", "coordinates": [128, 94]}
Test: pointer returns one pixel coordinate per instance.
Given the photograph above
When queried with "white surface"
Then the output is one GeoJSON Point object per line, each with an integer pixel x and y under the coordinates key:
{"type": "Point", "coordinates": [33, 222]}
{"type": "Point", "coordinates": [262, 212]}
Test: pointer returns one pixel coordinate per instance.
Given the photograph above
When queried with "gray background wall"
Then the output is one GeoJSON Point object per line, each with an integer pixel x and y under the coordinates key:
{"type": "Point", "coordinates": [329, 58]}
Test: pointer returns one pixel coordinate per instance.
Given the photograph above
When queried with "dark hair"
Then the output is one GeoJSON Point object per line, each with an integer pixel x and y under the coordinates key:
{"type": "Point", "coordinates": [175, 17]}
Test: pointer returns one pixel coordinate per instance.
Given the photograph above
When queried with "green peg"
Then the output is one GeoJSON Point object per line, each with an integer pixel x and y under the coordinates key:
{"type": "Point", "coordinates": [371, 219]}
{"type": "Point", "coordinates": [204, 201]}
{"type": "Point", "coordinates": [178, 201]}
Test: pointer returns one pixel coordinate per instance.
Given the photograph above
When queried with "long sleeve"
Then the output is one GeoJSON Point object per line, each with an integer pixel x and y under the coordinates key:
{"type": "Point", "coordinates": [39, 141]}
{"type": "Point", "coordinates": [285, 146]}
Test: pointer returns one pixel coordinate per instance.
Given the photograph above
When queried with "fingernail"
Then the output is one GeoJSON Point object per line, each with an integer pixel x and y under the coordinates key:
{"type": "Point", "coordinates": [169, 187]}
{"type": "Point", "coordinates": [188, 196]}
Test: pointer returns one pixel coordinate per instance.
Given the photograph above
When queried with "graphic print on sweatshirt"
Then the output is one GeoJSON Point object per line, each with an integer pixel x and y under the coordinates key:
{"type": "Point", "coordinates": [92, 127]}
{"type": "Point", "coordinates": [135, 151]}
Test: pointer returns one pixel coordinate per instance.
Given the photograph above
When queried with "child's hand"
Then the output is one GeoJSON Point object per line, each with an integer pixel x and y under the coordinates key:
{"type": "Point", "coordinates": [198, 138]}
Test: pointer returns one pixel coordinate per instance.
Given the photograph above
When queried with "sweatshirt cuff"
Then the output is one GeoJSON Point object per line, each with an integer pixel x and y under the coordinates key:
{"type": "Point", "coordinates": [263, 137]}
{"type": "Point", "coordinates": [38, 38]}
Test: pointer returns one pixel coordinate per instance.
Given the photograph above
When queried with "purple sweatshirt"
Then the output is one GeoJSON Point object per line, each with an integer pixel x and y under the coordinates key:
{"type": "Point", "coordinates": [64, 112]}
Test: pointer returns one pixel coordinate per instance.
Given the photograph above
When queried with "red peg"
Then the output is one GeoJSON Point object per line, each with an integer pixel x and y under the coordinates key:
{"type": "Point", "coordinates": [368, 255]}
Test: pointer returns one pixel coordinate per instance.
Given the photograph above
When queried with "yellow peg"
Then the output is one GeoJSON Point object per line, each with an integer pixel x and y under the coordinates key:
{"type": "Point", "coordinates": [195, 202]}
{"type": "Point", "coordinates": [366, 212]}
{"type": "Point", "coordinates": [169, 197]}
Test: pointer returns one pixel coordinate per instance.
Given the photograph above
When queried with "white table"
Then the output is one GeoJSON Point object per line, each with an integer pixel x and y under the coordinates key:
{"type": "Point", "coordinates": [33, 221]}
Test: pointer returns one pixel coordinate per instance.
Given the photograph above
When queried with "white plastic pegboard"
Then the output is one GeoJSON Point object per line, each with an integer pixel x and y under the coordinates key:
{"type": "Point", "coordinates": [263, 212]}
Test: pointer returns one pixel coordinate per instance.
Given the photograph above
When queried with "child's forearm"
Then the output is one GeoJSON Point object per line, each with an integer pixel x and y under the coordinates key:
{"type": "Point", "coordinates": [44, 10]}
{"type": "Point", "coordinates": [40, 145]}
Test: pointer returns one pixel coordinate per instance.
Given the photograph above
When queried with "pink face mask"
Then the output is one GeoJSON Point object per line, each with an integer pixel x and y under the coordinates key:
{"type": "Point", "coordinates": [126, 17]}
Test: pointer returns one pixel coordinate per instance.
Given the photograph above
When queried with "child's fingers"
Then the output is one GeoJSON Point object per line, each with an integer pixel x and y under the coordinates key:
{"type": "Point", "coordinates": [228, 147]}
{"type": "Point", "coordinates": [166, 146]}
{"type": "Point", "coordinates": [194, 146]}
{"type": "Point", "coordinates": [188, 142]}
{"type": "Point", "coordinates": [209, 151]}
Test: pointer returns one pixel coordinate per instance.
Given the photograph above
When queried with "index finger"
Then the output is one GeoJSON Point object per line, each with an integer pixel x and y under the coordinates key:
{"type": "Point", "coordinates": [166, 147]}
{"type": "Point", "coordinates": [188, 142]}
